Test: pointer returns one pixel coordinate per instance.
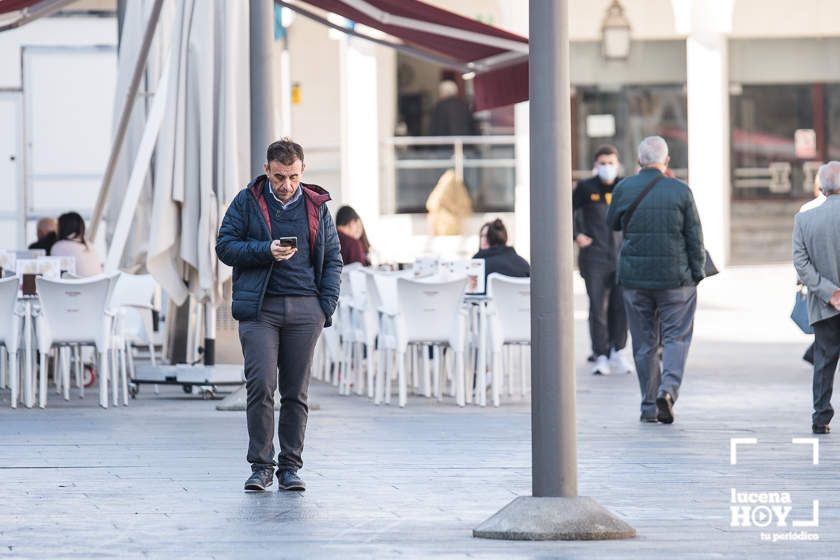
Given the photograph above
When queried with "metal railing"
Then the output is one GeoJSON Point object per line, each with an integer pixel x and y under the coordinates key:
{"type": "Point", "coordinates": [418, 160]}
{"type": "Point", "coordinates": [776, 177]}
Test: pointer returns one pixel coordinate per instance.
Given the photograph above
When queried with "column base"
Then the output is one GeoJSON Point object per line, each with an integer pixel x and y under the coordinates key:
{"type": "Point", "coordinates": [559, 519]}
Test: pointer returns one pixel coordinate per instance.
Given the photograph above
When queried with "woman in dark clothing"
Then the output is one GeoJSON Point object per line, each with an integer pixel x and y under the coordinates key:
{"type": "Point", "coordinates": [497, 255]}
{"type": "Point", "coordinates": [351, 235]}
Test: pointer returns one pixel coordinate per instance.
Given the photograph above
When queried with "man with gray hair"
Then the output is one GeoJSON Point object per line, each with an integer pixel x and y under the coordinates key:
{"type": "Point", "coordinates": [660, 262]}
{"type": "Point", "coordinates": [451, 115]}
{"type": "Point", "coordinates": [816, 256]}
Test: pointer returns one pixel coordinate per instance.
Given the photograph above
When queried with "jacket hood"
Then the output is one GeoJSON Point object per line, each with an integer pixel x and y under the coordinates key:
{"type": "Point", "coordinates": [316, 194]}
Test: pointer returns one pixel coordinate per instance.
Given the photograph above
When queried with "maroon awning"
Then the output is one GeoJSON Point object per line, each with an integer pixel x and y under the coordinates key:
{"type": "Point", "coordinates": [7, 6]}
{"type": "Point", "coordinates": [498, 58]}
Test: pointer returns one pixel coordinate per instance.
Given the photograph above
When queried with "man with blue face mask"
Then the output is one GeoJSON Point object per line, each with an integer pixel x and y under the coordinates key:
{"type": "Point", "coordinates": [599, 247]}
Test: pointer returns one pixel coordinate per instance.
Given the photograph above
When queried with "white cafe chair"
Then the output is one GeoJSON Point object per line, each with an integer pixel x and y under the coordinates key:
{"type": "Point", "coordinates": [133, 306]}
{"type": "Point", "coordinates": [427, 313]}
{"type": "Point", "coordinates": [10, 337]}
{"type": "Point", "coordinates": [366, 322]}
{"type": "Point", "coordinates": [75, 312]}
{"type": "Point", "coordinates": [509, 320]}
{"type": "Point", "coordinates": [383, 303]}
{"type": "Point", "coordinates": [345, 324]}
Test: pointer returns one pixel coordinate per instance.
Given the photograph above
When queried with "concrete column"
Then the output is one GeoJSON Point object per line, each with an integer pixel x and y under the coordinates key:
{"type": "Point", "coordinates": [707, 65]}
{"type": "Point", "coordinates": [553, 430]}
{"type": "Point", "coordinates": [555, 511]}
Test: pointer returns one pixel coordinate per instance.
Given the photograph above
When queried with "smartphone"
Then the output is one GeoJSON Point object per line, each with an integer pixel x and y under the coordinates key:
{"type": "Point", "coordinates": [288, 242]}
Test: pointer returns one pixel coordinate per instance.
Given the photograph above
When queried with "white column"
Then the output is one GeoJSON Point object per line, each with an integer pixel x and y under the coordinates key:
{"type": "Point", "coordinates": [515, 19]}
{"type": "Point", "coordinates": [708, 138]}
{"type": "Point", "coordinates": [522, 203]}
{"type": "Point", "coordinates": [707, 65]}
{"type": "Point", "coordinates": [360, 156]}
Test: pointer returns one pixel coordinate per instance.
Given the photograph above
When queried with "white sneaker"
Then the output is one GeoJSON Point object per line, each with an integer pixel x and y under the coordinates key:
{"type": "Point", "coordinates": [601, 366]}
{"type": "Point", "coordinates": [619, 364]}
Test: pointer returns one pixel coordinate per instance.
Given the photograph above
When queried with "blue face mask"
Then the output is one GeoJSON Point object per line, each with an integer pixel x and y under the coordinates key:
{"type": "Point", "coordinates": [607, 172]}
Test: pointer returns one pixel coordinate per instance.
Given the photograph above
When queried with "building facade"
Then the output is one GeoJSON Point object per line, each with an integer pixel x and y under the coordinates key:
{"type": "Point", "coordinates": [745, 91]}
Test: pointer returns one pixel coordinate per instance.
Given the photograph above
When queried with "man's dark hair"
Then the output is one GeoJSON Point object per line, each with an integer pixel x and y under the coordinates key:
{"type": "Point", "coordinates": [497, 235]}
{"type": "Point", "coordinates": [605, 150]}
{"type": "Point", "coordinates": [71, 226]}
{"type": "Point", "coordinates": [345, 215]}
{"type": "Point", "coordinates": [285, 150]}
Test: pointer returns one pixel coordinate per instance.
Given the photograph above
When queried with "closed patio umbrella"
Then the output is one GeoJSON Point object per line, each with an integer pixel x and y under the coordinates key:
{"type": "Point", "coordinates": [202, 150]}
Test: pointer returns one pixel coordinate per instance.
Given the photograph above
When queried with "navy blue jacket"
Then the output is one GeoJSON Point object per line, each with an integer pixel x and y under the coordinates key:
{"type": "Point", "coordinates": [244, 243]}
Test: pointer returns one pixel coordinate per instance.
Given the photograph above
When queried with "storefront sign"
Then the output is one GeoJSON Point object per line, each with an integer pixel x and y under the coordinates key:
{"type": "Point", "coordinates": [600, 126]}
{"type": "Point", "coordinates": [805, 143]}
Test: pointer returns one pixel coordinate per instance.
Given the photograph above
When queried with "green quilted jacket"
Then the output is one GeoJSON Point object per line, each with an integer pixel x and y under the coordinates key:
{"type": "Point", "coordinates": [663, 243]}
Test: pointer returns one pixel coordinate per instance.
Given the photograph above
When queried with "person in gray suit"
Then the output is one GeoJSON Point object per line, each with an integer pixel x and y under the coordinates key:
{"type": "Point", "coordinates": [816, 257]}
{"type": "Point", "coordinates": [660, 262]}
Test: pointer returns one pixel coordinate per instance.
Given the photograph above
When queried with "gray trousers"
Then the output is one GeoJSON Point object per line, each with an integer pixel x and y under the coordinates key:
{"type": "Point", "coordinates": [660, 318]}
{"type": "Point", "coordinates": [278, 350]}
{"type": "Point", "coordinates": [826, 355]}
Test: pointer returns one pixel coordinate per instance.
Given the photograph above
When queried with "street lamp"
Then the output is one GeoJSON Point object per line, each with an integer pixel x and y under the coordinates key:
{"type": "Point", "coordinates": [615, 33]}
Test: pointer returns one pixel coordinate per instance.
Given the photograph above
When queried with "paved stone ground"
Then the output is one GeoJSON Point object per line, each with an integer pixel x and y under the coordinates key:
{"type": "Point", "coordinates": [163, 477]}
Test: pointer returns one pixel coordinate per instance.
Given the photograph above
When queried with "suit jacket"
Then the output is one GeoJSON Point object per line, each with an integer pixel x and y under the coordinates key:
{"type": "Point", "coordinates": [816, 256]}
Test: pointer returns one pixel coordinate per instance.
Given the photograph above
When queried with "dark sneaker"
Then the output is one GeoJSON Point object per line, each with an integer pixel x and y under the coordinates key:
{"type": "Point", "coordinates": [289, 480]}
{"type": "Point", "coordinates": [664, 408]}
{"type": "Point", "coordinates": [648, 419]}
{"type": "Point", "coordinates": [260, 479]}
{"type": "Point", "coordinates": [820, 429]}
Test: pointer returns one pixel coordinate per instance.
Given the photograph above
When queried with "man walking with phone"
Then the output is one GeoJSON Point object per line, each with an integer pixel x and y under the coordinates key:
{"type": "Point", "coordinates": [281, 241]}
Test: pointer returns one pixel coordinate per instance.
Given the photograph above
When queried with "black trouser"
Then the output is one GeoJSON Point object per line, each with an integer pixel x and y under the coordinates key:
{"type": "Point", "coordinates": [607, 317]}
{"type": "Point", "coordinates": [826, 354]}
{"type": "Point", "coordinates": [808, 356]}
{"type": "Point", "coordinates": [281, 341]}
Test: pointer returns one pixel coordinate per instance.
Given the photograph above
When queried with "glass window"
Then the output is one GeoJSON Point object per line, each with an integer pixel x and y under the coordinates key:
{"type": "Point", "coordinates": [488, 169]}
{"type": "Point", "coordinates": [780, 133]}
{"type": "Point", "coordinates": [623, 116]}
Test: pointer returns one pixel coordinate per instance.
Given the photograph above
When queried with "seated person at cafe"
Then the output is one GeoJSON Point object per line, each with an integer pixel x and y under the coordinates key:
{"type": "Point", "coordinates": [72, 243]}
{"type": "Point", "coordinates": [351, 235]}
{"type": "Point", "coordinates": [47, 232]}
{"type": "Point", "coordinates": [497, 255]}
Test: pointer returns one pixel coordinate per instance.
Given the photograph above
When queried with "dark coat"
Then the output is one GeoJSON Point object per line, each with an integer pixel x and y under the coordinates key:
{"type": "Point", "coordinates": [244, 242]}
{"type": "Point", "coordinates": [590, 201]}
{"type": "Point", "coordinates": [46, 243]}
{"type": "Point", "coordinates": [452, 117]}
{"type": "Point", "coordinates": [504, 260]}
{"type": "Point", "coordinates": [663, 243]}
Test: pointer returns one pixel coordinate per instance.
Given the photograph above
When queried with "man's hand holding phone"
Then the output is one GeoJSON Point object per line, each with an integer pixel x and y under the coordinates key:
{"type": "Point", "coordinates": [282, 251]}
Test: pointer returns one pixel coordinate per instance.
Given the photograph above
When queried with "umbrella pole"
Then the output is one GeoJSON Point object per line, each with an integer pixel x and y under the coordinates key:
{"type": "Point", "coordinates": [209, 334]}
